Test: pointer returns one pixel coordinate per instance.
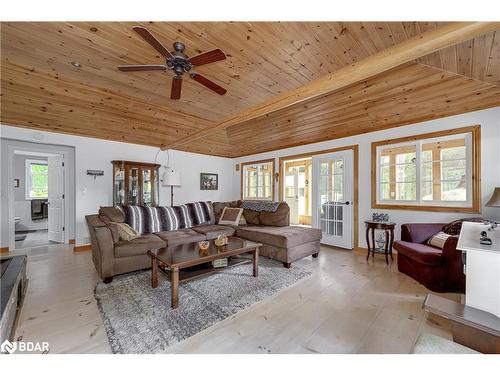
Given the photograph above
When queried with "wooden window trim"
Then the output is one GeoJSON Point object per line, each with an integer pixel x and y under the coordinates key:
{"type": "Point", "coordinates": [242, 165]}
{"type": "Point", "coordinates": [475, 131]}
{"type": "Point", "coordinates": [355, 149]}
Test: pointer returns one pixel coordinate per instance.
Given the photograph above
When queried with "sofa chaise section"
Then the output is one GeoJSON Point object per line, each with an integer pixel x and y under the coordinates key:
{"type": "Point", "coordinates": [286, 244]}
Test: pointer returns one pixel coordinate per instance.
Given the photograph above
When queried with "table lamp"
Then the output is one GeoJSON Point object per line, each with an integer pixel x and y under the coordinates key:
{"type": "Point", "coordinates": [171, 178]}
{"type": "Point", "coordinates": [494, 202]}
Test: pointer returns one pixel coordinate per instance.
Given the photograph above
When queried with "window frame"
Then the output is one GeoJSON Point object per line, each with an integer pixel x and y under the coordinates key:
{"type": "Point", "coordinates": [29, 179]}
{"type": "Point", "coordinates": [242, 178]}
{"type": "Point", "coordinates": [473, 143]}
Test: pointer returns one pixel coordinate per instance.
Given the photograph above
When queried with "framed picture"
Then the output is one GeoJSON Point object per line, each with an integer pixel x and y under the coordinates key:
{"type": "Point", "coordinates": [209, 181]}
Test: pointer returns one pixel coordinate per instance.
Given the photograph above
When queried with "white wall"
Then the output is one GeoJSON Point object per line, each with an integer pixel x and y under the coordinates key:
{"type": "Point", "coordinates": [22, 206]}
{"type": "Point", "coordinates": [97, 154]}
{"type": "Point", "coordinates": [490, 164]}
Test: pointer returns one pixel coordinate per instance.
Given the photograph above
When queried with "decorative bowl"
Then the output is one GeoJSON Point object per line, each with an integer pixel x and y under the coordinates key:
{"type": "Point", "coordinates": [221, 240]}
{"type": "Point", "coordinates": [203, 245]}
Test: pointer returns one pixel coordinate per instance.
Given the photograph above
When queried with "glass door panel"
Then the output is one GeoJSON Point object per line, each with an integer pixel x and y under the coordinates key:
{"type": "Point", "coordinates": [119, 188]}
{"type": "Point", "coordinates": [147, 186]}
{"type": "Point", "coordinates": [332, 197]}
{"type": "Point", "coordinates": [133, 186]}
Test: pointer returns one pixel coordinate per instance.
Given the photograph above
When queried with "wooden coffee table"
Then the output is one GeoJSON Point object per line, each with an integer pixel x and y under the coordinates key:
{"type": "Point", "coordinates": [179, 261]}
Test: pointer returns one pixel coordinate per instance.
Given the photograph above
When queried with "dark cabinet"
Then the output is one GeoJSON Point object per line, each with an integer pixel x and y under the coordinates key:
{"type": "Point", "coordinates": [135, 183]}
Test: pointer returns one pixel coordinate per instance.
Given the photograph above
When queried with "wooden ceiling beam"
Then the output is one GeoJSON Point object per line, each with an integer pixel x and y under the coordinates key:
{"type": "Point", "coordinates": [409, 50]}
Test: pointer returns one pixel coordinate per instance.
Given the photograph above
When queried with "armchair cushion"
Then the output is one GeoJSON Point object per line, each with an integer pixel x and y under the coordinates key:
{"type": "Point", "coordinates": [419, 232]}
{"type": "Point", "coordinates": [420, 253]}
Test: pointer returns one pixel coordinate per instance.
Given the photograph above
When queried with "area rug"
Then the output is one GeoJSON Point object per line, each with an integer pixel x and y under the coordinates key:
{"type": "Point", "coordinates": [139, 319]}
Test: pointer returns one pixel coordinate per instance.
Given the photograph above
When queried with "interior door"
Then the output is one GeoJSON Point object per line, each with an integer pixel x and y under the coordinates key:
{"type": "Point", "coordinates": [333, 185]}
{"type": "Point", "coordinates": [56, 198]}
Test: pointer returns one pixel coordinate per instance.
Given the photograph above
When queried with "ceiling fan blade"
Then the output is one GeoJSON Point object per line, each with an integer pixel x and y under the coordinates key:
{"type": "Point", "coordinates": [208, 57]}
{"type": "Point", "coordinates": [148, 37]}
{"type": "Point", "coordinates": [141, 68]}
{"type": "Point", "coordinates": [175, 92]}
{"type": "Point", "coordinates": [208, 84]}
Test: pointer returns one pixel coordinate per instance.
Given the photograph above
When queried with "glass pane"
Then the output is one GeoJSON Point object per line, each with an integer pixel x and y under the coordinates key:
{"type": "Point", "coordinates": [323, 196]}
{"type": "Point", "coordinates": [337, 196]}
{"type": "Point", "coordinates": [427, 171]}
{"type": "Point", "coordinates": [453, 153]}
{"type": "Point", "coordinates": [323, 168]}
{"type": "Point", "coordinates": [426, 190]}
{"type": "Point", "coordinates": [337, 183]}
{"type": "Point", "coordinates": [453, 191]}
{"type": "Point", "coordinates": [408, 157]}
{"type": "Point", "coordinates": [39, 168]}
{"type": "Point", "coordinates": [338, 166]}
{"type": "Point", "coordinates": [323, 183]}
{"type": "Point", "coordinates": [147, 187]}
{"type": "Point", "coordinates": [119, 188]}
{"type": "Point", "coordinates": [385, 173]}
{"type": "Point", "coordinates": [385, 191]}
{"type": "Point", "coordinates": [426, 156]}
{"type": "Point", "coordinates": [339, 212]}
{"type": "Point", "coordinates": [133, 198]}
{"type": "Point", "coordinates": [39, 181]}
{"type": "Point", "coordinates": [406, 173]}
{"type": "Point", "coordinates": [406, 191]}
{"type": "Point", "coordinates": [338, 228]}
{"type": "Point", "coordinates": [252, 192]}
{"type": "Point", "coordinates": [453, 170]}
{"type": "Point", "coordinates": [384, 160]}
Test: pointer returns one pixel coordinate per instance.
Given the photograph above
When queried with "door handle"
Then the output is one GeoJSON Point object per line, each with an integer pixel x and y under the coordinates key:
{"type": "Point", "coordinates": [347, 203]}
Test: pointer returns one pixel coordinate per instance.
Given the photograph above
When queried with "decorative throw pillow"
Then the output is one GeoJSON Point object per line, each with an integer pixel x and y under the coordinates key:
{"type": "Point", "coordinates": [230, 216]}
{"type": "Point", "coordinates": [454, 227]}
{"type": "Point", "coordinates": [112, 227]}
{"type": "Point", "coordinates": [126, 232]}
{"type": "Point", "coordinates": [438, 240]}
{"type": "Point", "coordinates": [242, 220]}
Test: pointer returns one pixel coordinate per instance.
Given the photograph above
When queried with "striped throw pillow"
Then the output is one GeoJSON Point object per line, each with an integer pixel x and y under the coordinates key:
{"type": "Point", "coordinates": [438, 240]}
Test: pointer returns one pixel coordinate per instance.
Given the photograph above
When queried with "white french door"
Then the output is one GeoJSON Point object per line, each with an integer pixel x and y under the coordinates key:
{"type": "Point", "coordinates": [333, 192]}
{"type": "Point", "coordinates": [56, 198]}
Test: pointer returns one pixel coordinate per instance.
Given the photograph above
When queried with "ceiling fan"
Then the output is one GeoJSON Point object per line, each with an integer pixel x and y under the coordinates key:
{"type": "Point", "coordinates": [179, 62]}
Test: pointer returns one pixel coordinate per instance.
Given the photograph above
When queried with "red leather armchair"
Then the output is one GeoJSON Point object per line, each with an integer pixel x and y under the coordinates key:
{"type": "Point", "coordinates": [439, 270]}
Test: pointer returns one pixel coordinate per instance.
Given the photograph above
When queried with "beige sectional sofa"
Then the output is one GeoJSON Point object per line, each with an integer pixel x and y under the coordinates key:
{"type": "Point", "coordinates": [112, 256]}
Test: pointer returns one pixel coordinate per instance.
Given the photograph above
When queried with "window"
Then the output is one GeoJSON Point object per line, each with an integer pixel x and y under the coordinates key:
{"type": "Point", "coordinates": [257, 180]}
{"type": "Point", "coordinates": [436, 171]}
{"type": "Point", "coordinates": [37, 179]}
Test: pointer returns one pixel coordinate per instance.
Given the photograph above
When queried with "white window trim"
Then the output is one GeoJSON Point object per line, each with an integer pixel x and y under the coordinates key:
{"type": "Point", "coordinates": [419, 202]}
{"type": "Point", "coordinates": [28, 177]}
{"type": "Point", "coordinates": [245, 183]}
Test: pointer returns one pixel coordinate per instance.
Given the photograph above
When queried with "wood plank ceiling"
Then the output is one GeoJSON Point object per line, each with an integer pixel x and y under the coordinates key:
{"type": "Point", "coordinates": [42, 90]}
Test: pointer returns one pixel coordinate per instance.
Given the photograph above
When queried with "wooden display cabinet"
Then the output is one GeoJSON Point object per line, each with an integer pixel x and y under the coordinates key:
{"type": "Point", "coordinates": [135, 183]}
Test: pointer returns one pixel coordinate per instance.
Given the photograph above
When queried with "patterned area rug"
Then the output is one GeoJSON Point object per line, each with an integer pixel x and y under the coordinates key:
{"type": "Point", "coordinates": [139, 319]}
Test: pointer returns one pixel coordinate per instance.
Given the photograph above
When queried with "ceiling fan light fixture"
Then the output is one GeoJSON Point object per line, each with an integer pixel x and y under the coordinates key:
{"type": "Point", "coordinates": [179, 62]}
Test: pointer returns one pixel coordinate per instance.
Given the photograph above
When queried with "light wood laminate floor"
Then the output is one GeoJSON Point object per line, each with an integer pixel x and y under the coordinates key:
{"type": "Point", "coordinates": [347, 306]}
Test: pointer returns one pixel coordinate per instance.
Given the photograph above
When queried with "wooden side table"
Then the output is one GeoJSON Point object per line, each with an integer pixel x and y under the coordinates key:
{"type": "Point", "coordinates": [388, 228]}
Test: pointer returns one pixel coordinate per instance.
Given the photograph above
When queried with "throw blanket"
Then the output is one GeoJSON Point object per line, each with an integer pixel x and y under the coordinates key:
{"type": "Point", "coordinates": [260, 206]}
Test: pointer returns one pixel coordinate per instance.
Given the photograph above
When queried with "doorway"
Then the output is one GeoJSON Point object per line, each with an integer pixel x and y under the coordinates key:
{"type": "Point", "coordinates": [39, 180]}
{"type": "Point", "coordinates": [297, 190]}
{"type": "Point", "coordinates": [38, 198]}
{"type": "Point", "coordinates": [321, 189]}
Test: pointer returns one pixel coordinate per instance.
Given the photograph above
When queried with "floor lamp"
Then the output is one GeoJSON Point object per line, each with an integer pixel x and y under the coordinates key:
{"type": "Point", "coordinates": [171, 178]}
